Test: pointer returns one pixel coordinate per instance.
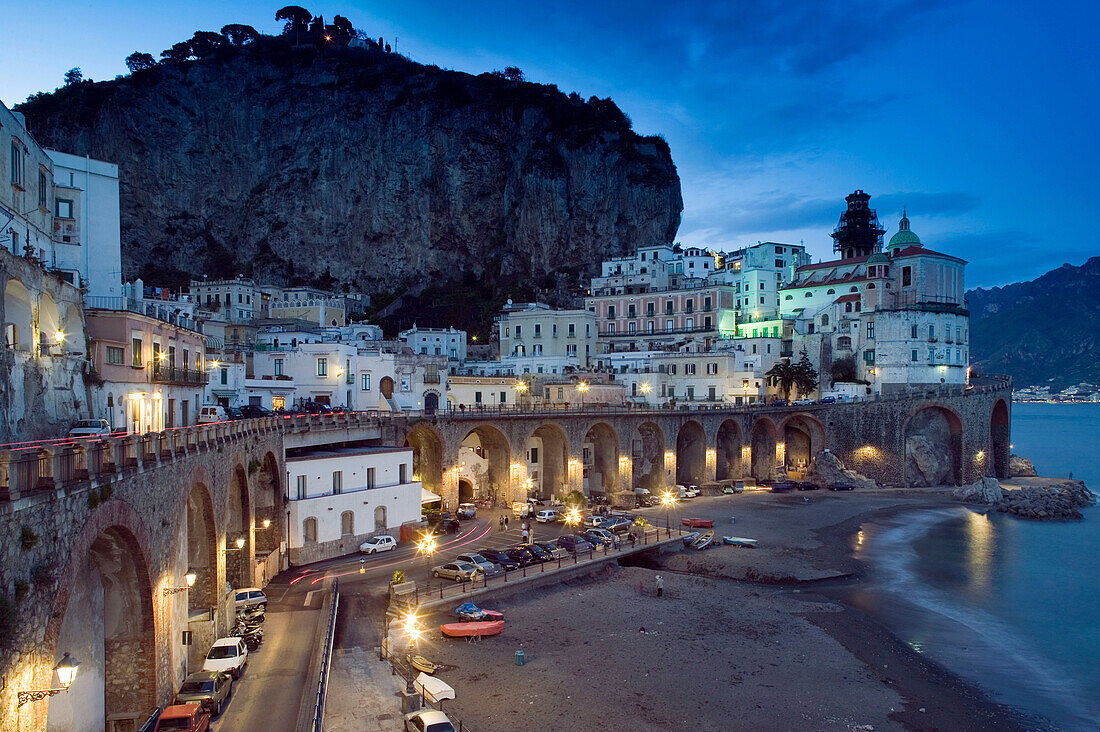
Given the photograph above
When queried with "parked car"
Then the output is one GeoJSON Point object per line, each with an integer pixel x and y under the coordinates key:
{"type": "Point", "coordinates": [248, 597]}
{"type": "Point", "coordinates": [574, 544]}
{"type": "Point", "coordinates": [547, 516]}
{"type": "Point", "coordinates": [377, 544]}
{"type": "Point", "coordinates": [555, 551]}
{"type": "Point", "coordinates": [428, 720]}
{"type": "Point", "coordinates": [488, 568]}
{"type": "Point", "coordinates": [443, 525]}
{"type": "Point", "coordinates": [228, 655]}
{"type": "Point", "coordinates": [595, 521]}
{"type": "Point", "coordinates": [90, 428]}
{"type": "Point", "coordinates": [523, 557]}
{"type": "Point", "coordinates": [500, 558]}
{"type": "Point", "coordinates": [602, 536]}
{"type": "Point", "coordinates": [255, 411]}
{"type": "Point", "coordinates": [211, 689]}
{"type": "Point", "coordinates": [697, 523]}
{"type": "Point", "coordinates": [234, 413]}
{"type": "Point", "coordinates": [466, 511]}
{"type": "Point", "coordinates": [782, 486]}
{"type": "Point", "coordinates": [802, 486]}
{"type": "Point", "coordinates": [211, 413]}
{"type": "Point", "coordinates": [457, 571]}
{"type": "Point", "coordinates": [541, 555]}
{"type": "Point", "coordinates": [618, 526]}
{"type": "Point", "coordinates": [828, 400]}
{"type": "Point", "coordinates": [309, 407]}
{"type": "Point", "coordinates": [841, 487]}
{"type": "Point", "coordinates": [803, 402]}
{"type": "Point", "coordinates": [780, 403]}
{"type": "Point", "coordinates": [184, 718]}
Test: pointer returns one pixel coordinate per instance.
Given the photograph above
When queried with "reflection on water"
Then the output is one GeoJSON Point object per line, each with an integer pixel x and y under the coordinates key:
{"type": "Point", "coordinates": [980, 537]}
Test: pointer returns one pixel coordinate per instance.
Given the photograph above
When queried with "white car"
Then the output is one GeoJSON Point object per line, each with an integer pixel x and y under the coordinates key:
{"type": "Point", "coordinates": [546, 517]}
{"type": "Point", "coordinates": [378, 544]}
{"type": "Point", "coordinates": [802, 402]}
{"type": "Point", "coordinates": [228, 655]}
{"type": "Point", "coordinates": [249, 597]}
{"type": "Point", "coordinates": [211, 413]}
{"type": "Point", "coordinates": [457, 571]}
{"type": "Point", "coordinates": [428, 720]}
{"type": "Point", "coordinates": [91, 428]}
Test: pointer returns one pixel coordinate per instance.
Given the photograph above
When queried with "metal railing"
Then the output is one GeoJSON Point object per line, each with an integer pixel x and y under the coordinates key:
{"type": "Point", "coordinates": [317, 721]}
{"type": "Point", "coordinates": [164, 373]}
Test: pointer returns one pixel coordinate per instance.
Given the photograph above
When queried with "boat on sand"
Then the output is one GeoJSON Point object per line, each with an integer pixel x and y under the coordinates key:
{"type": "Point", "coordinates": [472, 630]}
{"type": "Point", "coordinates": [422, 664]}
{"type": "Point", "coordinates": [703, 541]}
{"type": "Point", "coordinates": [740, 541]}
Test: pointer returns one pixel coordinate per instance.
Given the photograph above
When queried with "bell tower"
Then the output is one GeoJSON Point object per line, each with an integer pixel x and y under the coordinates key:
{"type": "Point", "coordinates": [858, 233]}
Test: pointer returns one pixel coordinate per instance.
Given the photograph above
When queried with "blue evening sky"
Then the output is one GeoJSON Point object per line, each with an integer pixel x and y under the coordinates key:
{"type": "Point", "coordinates": [978, 115]}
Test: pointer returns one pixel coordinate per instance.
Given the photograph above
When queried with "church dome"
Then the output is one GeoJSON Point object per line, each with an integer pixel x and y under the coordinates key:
{"type": "Point", "coordinates": [904, 238]}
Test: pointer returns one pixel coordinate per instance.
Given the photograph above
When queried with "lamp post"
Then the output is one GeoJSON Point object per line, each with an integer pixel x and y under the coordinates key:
{"type": "Point", "coordinates": [189, 578]}
{"type": "Point", "coordinates": [583, 389]}
{"type": "Point", "coordinates": [66, 672]}
{"type": "Point", "coordinates": [427, 547]}
{"type": "Point", "coordinates": [573, 518]}
{"type": "Point", "coordinates": [668, 501]}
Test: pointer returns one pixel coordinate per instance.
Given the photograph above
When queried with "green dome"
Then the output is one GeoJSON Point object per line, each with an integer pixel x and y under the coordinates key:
{"type": "Point", "coordinates": [878, 258]}
{"type": "Point", "coordinates": [904, 238]}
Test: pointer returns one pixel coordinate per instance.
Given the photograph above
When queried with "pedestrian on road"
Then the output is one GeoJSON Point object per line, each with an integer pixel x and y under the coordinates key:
{"type": "Point", "coordinates": [501, 520]}
{"type": "Point", "coordinates": [632, 540]}
{"type": "Point", "coordinates": [660, 586]}
{"type": "Point", "coordinates": [525, 535]}
{"type": "Point", "coordinates": [505, 523]}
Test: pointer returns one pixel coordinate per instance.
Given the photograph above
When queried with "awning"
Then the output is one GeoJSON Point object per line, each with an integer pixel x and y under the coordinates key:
{"type": "Point", "coordinates": [434, 690]}
{"type": "Point", "coordinates": [426, 496]}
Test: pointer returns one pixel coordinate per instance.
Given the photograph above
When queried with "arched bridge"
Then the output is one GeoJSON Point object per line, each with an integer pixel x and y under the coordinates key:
{"type": "Point", "coordinates": [99, 535]}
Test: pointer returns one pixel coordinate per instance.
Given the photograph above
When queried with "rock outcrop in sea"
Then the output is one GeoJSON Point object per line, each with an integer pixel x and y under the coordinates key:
{"type": "Point", "coordinates": [1043, 499]}
{"type": "Point", "coordinates": [1021, 467]}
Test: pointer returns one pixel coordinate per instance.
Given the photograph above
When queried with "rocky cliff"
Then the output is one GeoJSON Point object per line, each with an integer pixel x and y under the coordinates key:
{"type": "Point", "coordinates": [1045, 332]}
{"type": "Point", "coordinates": [352, 166]}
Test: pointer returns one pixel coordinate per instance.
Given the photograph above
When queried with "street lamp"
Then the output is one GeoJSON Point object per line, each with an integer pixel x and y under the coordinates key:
{"type": "Point", "coordinates": [521, 386]}
{"type": "Point", "coordinates": [267, 523]}
{"type": "Point", "coordinates": [189, 578]}
{"type": "Point", "coordinates": [66, 672]}
{"type": "Point", "coordinates": [573, 518]}
{"type": "Point", "coordinates": [426, 546]}
{"type": "Point", "coordinates": [668, 501]}
{"type": "Point", "coordinates": [583, 389]}
{"type": "Point", "coordinates": [59, 337]}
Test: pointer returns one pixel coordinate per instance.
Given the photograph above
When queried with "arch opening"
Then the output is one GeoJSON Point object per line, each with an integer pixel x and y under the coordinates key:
{"type": "Point", "coordinates": [108, 627]}
{"type": "Point", "coordinates": [547, 462]}
{"type": "Point", "coordinates": [483, 459]}
{"type": "Point", "coordinates": [600, 460]}
{"type": "Point", "coordinates": [427, 458]}
{"type": "Point", "coordinates": [728, 449]}
{"type": "Point", "coordinates": [647, 453]}
{"type": "Point", "coordinates": [17, 316]}
{"type": "Point", "coordinates": [691, 454]}
{"type": "Point", "coordinates": [762, 446]}
{"type": "Point", "coordinates": [238, 564]}
{"type": "Point", "coordinates": [465, 491]}
{"type": "Point", "coordinates": [1000, 434]}
{"type": "Point", "coordinates": [933, 448]}
{"type": "Point", "coordinates": [803, 438]}
{"type": "Point", "coordinates": [269, 499]}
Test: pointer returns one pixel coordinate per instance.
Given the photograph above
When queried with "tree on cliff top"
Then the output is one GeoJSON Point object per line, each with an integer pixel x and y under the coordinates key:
{"type": "Point", "coordinates": [74, 76]}
{"type": "Point", "coordinates": [205, 43]}
{"type": "Point", "coordinates": [297, 19]}
{"type": "Point", "coordinates": [177, 54]}
{"type": "Point", "coordinates": [239, 34]}
{"type": "Point", "coordinates": [138, 61]}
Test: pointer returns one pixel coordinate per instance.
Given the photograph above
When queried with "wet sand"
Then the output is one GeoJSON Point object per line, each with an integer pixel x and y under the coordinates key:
{"type": "Point", "coordinates": [743, 638]}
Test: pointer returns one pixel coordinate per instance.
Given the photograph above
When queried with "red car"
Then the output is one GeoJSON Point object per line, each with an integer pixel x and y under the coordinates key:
{"type": "Point", "coordinates": [184, 718]}
{"type": "Point", "coordinates": [698, 523]}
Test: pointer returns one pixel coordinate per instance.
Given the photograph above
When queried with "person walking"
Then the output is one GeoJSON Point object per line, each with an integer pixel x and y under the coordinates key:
{"type": "Point", "coordinates": [501, 521]}
{"type": "Point", "coordinates": [660, 586]}
{"type": "Point", "coordinates": [525, 535]}
{"type": "Point", "coordinates": [505, 523]}
{"type": "Point", "coordinates": [633, 539]}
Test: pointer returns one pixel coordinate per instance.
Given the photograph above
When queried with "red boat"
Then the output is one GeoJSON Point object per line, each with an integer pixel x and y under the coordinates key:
{"type": "Point", "coordinates": [472, 630]}
{"type": "Point", "coordinates": [698, 523]}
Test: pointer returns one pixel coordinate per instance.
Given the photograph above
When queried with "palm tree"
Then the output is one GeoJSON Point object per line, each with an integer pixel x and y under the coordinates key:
{"type": "Point", "coordinates": [785, 374]}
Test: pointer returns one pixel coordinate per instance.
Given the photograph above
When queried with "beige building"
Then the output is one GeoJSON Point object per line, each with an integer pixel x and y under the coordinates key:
{"type": "Point", "coordinates": [534, 339]}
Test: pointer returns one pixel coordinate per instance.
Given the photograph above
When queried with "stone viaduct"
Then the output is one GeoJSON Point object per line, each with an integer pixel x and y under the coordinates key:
{"type": "Point", "coordinates": [97, 536]}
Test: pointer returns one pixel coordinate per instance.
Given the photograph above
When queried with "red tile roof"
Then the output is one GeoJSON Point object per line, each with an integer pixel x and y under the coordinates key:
{"type": "Point", "coordinates": [834, 263]}
{"type": "Point", "coordinates": [916, 251]}
{"type": "Point", "coordinates": [850, 297]}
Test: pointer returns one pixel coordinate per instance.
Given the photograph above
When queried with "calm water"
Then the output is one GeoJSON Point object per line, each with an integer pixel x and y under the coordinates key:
{"type": "Point", "coordinates": [1011, 605]}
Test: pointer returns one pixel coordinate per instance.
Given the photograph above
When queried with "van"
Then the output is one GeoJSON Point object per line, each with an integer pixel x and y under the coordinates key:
{"type": "Point", "coordinates": [547, 516]}
{"type": "Point", "coordinates": [521, 509]}
{"type": "Point", "coordinates": [212, 413]}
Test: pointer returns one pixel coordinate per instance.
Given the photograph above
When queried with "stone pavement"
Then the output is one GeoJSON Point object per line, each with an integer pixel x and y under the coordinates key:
{"type": "Point", "coordinates": [363, 693]}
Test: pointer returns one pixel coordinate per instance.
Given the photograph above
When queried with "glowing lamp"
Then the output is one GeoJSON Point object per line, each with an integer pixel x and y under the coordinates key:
{"type": "Point", "coordinates": [66, 671]}
{"type": "Point", "coordinates": [240, 542]}
{"type": "Point", "coordinates": [267, 523]}
{"type": "Point", "coordinates": [59, 336]}
{"type": "Point", "coordinates": [190, 577]}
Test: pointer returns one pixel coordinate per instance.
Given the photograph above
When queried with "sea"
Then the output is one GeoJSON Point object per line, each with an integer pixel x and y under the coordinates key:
{"type": "Point", "coordinates": [1011, 606]}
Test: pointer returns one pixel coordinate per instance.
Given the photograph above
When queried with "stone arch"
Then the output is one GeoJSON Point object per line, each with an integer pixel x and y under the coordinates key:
{"type": "Point", "coordinates": [238, 523]}
{"type": "Point", "coordinates": [347, 523]}
{"type": "Point", "coordinates": [762, 439]}
{"type": "Point", "coordinates": [728, 450]}
{"type": "Point", "coordinates": [49, 321]}
{"type": "Point", "coordinates": [466, 491]}
{"type": "Point", "coordinates": [600, 460]}
{"type": "Point", "coordinates": [933, 446]}
{"type": "Point", "coordinates": [431, 402]}
{"type": "Point", "coordinates": [269, 499]}
{"type": "Point", "coordinates": [103, 617]}
{"type": "Point", "coordinates": [427, 447]}
{"type": "Point", "coordinates": [18, 314]}
{"type": "Point", "coordinates": [202, 548]}
{"type": "Point", "coordinates": [72, 324]}
{"type": "Point", "coordinates": [380, 518]}
{"type": "Point", "coordinates": [549, 473]}
{"type": "Point", "coordinates": [803, 437]}
{"type": "Point", "coordinates": [309, 530]}
{"type": "Point", "coordinates": [647, 454]}
{"type": "Point", "coordinates": [691, 453]}
{"type": "Point", "coordinates": [485, 459]}
{"type": "Point", "coordinates": [1000, 437]}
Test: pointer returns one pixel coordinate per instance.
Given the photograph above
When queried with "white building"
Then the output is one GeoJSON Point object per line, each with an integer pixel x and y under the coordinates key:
{"type": "Point", "coordinates": [447, 342]}
{"type": "Point", "coordinates": [235, 299]}
{"type": "Point", "coordinates": [535, 339]}
{"type": "Point", "coordinates": [87, 229]}
{"type": "Point", "coordinates": [340, 497]}
{"type": "Point", "coordinates": [717, 377]}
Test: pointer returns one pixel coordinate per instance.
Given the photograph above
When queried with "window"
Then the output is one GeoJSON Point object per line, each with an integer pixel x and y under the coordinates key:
{"type": "Point", "coordinates": [913, 332]}
{"type": "Point", "coordinates": [830, 291]}
{"type": "Point", "coordinates": [668, 325]}
{"type": "Point", "coordinates": [225, 376]}
{"type": "Point", "coordinates": [712, 368]}
{"type": "Point", "coordinates": [672, 369]}
{"type": "Point", "coordinates": [519, 331]}
{"type": "Point", "coordinates": [347, 523]}
{"type": "Point", "coordinates": [403, 473]}
{"type": "Point", "coordinates": [870, 329]}
{"type": "Point", "coordinates": [16, 163]}
{"type": "Point", "coordinates": [135, 355]}
{"type": "Point", "coordinates": [503, 396]}
{"type": "Point", "coordinates": [931, 332]}
{"type": "Point", "coordinates": [322, 367]}
{"type": "Point", "coordinates": [632, 311]}
{"type": "Point", "coordinates": [477, 397]}
{"type": "Point", "coordinates": [631, 327]}
{"type": "Point", "coordinates": [649, 309]}
{"type": "Point", "coordinates": [43, 187]}
{"type": "Point", "coordinates": [538, 330]}
{"type": "Point", "coordinates": [116, 355]}
{"type": "Point", "coordinates": [824, 319]}
{"type": "Point", "coordinates": [689, 323]}
{"type": "Point", "coordinates": [906, 276]}
{"type": "Point", "coordinates": [707, 303]}
{"type": "Point", "coordinates": [337, 482]}
{"type": "Point", "coordinates": [571, 349]}
{"type": "Point", "coordinates": [301, 487]}
{"type": "Point", "coordinates": [364, 382]}
{"type": "Point", "coordinates": [370, 478]}
{"type": "Point", "coordinates": [611, 311]}
{"type": "Point", "coordinates": [278, 365]}
{"type": "Point", "coordinates": [572, 330]}
{"type": "Point", "coordinates": [869, 357]}
{"type": "Point", "coordinates": [931, 355]}
{"type": "Point", "coordinates": [309, 530]}
{"type": "Point", "coordinates": [668, 308]}
{"type": "Point", "coordinates": [689, 369]}
{"type": "Point", "coordinates": [789, 297]}
{"type": "Point", "coordinates": [913, 355]}
{"type": "Point", "coordinates": [690, 307]}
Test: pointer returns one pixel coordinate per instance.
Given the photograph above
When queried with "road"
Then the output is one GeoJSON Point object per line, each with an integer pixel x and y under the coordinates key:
{"type": "Point", "coordinates": [267, 697]}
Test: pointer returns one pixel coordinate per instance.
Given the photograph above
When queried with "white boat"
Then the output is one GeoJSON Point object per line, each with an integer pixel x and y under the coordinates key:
{"type": "Point", "coordinates": [739, 541]}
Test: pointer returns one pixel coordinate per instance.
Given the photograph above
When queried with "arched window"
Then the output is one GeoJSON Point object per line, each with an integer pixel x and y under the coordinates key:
{"type": "Point", "coordinates": [789, 297]}
{"type": "Point", "coordinates": [824, 319]}
{"type": "Point", "coordinates": [847, 307]}
{"type": "Point", "coordinates": [844, 343]}
{"type": "Point", "coordinates": [854, 289]}
{"type": "Point", "coordinates": [380, 518]}
{"type": "Point", "coordinates": [830, 291]}
{"type": "Point", "coordinates": [347, 523]}
{"type": "Point", "coordinates": [309, 531]}
{"type": "Point", "coordinates": [809, 294]}
{"type": "Point", "coordinates": [870, 285]}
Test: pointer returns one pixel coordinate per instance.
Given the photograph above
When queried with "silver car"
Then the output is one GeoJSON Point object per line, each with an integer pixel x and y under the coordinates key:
{"type": "Point", "coordinates": [489, 569]}
{"type": "Point", "coordinates": [457, 571]}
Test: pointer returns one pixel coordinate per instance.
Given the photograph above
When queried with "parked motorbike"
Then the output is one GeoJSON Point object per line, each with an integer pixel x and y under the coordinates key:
{"type": "Point", "coordinates": [252, 614]}
{"type": "Point", "coordinates": [253, 635]}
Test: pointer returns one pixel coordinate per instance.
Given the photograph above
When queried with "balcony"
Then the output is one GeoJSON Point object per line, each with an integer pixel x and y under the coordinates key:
{"type": "Point", "coordinates": [163, 373]}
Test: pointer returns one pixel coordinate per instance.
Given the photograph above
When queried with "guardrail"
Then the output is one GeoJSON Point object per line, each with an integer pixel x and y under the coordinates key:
{"type": "Point", "coordinates": [311, 717]}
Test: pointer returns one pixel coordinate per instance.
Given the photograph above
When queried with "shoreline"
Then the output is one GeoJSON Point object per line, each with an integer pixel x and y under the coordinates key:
{"type": "Point", "coordinates": [795, 635]}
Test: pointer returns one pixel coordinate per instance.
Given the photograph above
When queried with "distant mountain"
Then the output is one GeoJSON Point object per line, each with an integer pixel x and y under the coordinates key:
{"type": "Point", "coordinates": [1042, 333]}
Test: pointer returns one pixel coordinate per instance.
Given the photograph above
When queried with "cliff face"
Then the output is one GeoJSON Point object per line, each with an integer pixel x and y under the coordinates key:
{"type": "Point", "coordinates": [1043, 333]}
{"type": "Point", "coordinates": [380, 173]}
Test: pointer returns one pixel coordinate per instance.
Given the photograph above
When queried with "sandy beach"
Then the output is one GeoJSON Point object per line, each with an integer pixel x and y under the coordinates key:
{"type": "Point", "coordinates": [742, 638]}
